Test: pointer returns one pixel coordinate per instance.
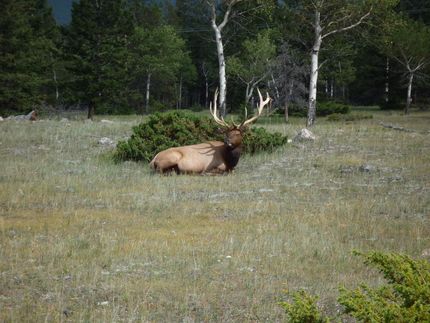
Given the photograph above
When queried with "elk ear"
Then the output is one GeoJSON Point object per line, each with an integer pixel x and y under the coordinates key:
{"type": "Point", "coordinates": [221, 131]}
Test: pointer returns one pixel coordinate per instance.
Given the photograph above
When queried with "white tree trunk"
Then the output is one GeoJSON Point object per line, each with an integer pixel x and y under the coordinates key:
{"type": "Point", "coordinates": [148, 86]}
{"type": "Point", "coordinates": [315, 52]}
{"type": "Point", "coordinates": [221, 64]}
{"type": "Point", "coordinates": [275, 86]}
{"type": "Point", "coordinates": [387, 84]}
{"type": "Point", "coordinates": [314, 72]}
{"type": "Point", "coordinates": [331, 88]}
{"type": "Point", "coordinates": [220, 49]}
{"type": "Point", "coordinates": [409, 97]}
{"type": "Point", "coordinates": [249, 91]}
{"type": "Point", "coordinates": [54, 77]}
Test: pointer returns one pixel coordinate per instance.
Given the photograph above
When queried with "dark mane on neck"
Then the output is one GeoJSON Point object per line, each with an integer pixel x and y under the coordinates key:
{"type": "Point", "coordinates": [231, 156]}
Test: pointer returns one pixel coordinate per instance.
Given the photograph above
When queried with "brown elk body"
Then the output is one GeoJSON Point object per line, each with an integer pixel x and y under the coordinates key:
{"type": "Point", "coordinates": [212, 156]}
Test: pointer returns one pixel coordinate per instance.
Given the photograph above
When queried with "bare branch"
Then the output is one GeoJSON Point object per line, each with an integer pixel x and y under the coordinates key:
{"type": "Point", "coordinates": [348, 27]}
{"type": "Point", "coordinates": [337, 21]}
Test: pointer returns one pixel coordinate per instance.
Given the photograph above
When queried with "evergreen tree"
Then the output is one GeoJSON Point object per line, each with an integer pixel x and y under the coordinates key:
{"type": "Point", "coordinates": [97, 42]}
{"type": "Point", "coordinates": [27, 49]}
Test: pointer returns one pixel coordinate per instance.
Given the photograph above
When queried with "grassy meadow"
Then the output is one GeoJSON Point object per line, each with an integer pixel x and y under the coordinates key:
{"type": "Point", "coordinates": [85, 239]}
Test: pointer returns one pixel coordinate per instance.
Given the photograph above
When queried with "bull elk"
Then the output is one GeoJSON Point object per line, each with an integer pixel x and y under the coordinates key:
{"type": "Point", "coordinates": [212, 156]}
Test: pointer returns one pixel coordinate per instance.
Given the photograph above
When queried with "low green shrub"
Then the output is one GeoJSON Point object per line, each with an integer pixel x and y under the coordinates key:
{"type": "Point", "coordinates": [404, 298]}
{"type": "Point", "coordinates": [323, 109]}
{"type": "Point", "coordinates": [303, 309]}
{"type": "Point", "coordinates": [179, 128]}
{"type": "Point", "coordinates": [349, 117]}
{"type": "Point", "coordinates": [330, 107]}
{"type": "Point", "coordinates": [259, 139]}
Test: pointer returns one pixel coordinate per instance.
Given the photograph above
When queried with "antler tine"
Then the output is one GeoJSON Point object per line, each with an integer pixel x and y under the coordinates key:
{"type": "Point", "coordinates": [213, 112]}
{"type": "Point", "coordinates": [261, 105]}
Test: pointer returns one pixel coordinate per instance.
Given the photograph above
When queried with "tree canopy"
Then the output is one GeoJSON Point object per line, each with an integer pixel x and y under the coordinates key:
{"type": "Point", "coordinates": [135, 56]}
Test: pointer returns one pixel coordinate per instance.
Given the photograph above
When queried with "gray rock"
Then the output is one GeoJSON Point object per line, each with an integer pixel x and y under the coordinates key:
{"type": "Point", "coordinates": [366, 168]}
{"type": "Point", "coordinates": [105, 141]}
{"type": "Point", "coordinates": [106, 121]}
{"type": "Point", "coordinates": [304, 135]}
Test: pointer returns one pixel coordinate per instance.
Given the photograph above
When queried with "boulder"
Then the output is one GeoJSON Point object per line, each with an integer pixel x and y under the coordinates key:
{"type": "Point", "coordinates": [105, 141]}
{"type": "Point", "coordinates": [304, 135]}
{"type": "Point", "coordinates": [366, 168]}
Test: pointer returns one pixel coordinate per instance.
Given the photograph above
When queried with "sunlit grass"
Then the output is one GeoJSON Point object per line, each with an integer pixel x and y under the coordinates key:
{"type": "Point", "coordinates": [85, 239]}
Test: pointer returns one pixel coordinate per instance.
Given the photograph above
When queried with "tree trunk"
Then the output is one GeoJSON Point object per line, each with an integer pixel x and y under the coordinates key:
{"type": "Point", "coordinates": [54, 77]}
{"type": "Point", "coordinates": [312, 103]}
{"type": "Point", "coordinates": [180, 93]}
{"type": "Point", "coordinates": [248, 94]}
{"type": "Point", "coordinates": [387, 84]}
{"type": "Point", "coordinates": [222, 77]}
{"type": "Point", "coordinates": [220, 50]}
{"type": "Point", "coordinates": [91, 110]}
{"type": "Point", "coordinates": [288, 100]}
{"type": "Point", "coordinates": [331, 89]}
{"type": "Point", "coordinates": [205, 75]}
{"type": "Point", "coordinates": [274, 85]}
{"type": "Point", "coordinates": [409, 97]}
{"type": "Point", "coordinates": [148, 86]}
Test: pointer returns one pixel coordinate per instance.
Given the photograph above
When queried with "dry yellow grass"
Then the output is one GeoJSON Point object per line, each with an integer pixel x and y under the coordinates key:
{"type": "Point", "coordinates": [84, 239]}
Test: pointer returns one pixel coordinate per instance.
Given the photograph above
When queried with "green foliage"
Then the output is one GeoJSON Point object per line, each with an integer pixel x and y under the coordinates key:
{"type": "Point", "coordinates": [258, 139]}
{"type": "Point", "coordinates": [179, 128]}
{"type": "Point", "coordinates": [27, 44]}
{"type": "Point", "coordinates": [349, 117]}
{"type": "Point", "coordinates": [330, 107]}
{"type": "Point", "coordinates": [323, 109]}
{"type": "Point", "coordinates": [303, 309]}
{"type": "Point", "coordinates": [252, 66]}
{"type": "Point", "coordinates": [159, 53]}
{"type": "Point", "coordinates": [405, 297]}
{"type": "Point", "coordinates": [406, 40]}
{"type": "Point", "coordinates": [96, 43]}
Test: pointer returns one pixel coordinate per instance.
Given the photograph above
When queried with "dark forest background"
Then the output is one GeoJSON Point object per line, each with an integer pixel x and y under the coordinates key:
{"type": "Point", "coordinates": [115, 54]}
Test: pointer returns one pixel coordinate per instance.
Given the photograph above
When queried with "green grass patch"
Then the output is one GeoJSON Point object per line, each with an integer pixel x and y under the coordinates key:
{"type": "Point", "coordinates": [103, 241]}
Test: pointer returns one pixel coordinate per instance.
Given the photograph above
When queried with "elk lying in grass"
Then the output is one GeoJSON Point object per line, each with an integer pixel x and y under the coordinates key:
{"type": "Point", "coordinates": [212, 156]}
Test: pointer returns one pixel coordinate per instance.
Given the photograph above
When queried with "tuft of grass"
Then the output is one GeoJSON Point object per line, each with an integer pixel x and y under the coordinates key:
{"type": "Point", "coordinates": [85, 239]}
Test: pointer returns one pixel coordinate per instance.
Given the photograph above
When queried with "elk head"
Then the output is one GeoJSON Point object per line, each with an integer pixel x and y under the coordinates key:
{"type": "Point", "coordinates": [234, 132]}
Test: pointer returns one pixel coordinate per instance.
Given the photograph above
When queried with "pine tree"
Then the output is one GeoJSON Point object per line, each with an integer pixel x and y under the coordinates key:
{"type": "Point", "coordinates": [97, 44]}
{"type": "Point", "coordinates": [27, 30]}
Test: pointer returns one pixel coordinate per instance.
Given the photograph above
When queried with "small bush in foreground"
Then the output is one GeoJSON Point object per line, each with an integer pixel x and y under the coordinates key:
{"type": "Point", "coordinates": [303, 309]}
{"type": "Point", "coordinates": [179, 128]}
{"type": "Point", "coordinates": [405, 297]}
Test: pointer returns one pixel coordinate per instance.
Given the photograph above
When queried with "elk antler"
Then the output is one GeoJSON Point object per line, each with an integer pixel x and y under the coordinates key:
{"type": "Point", "coordinates": [261, 105]}
{"type": "Point", "coordinates": [213, 112]}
